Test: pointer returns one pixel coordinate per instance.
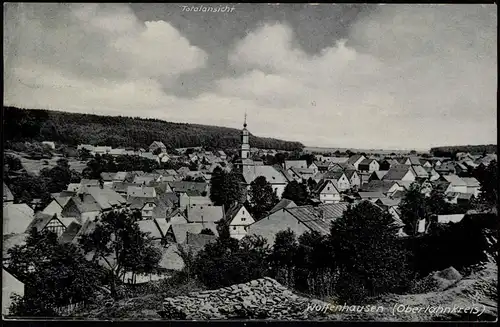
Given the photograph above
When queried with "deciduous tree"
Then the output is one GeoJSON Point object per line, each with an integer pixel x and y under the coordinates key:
{"type": "Point", "coordinates": [262, 197]}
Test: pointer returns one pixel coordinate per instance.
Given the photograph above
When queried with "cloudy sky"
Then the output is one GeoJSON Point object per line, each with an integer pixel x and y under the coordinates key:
{"type": "Point", "coordinates": [383, 76]}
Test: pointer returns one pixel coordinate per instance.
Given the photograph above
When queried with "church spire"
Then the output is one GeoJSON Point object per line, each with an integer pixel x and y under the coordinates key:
{"type": "Point", "coordinates": [245, 122]}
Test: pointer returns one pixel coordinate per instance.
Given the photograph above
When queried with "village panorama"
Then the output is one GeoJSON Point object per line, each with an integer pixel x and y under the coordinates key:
{"type": "Point", "coordinates": [135, 216]}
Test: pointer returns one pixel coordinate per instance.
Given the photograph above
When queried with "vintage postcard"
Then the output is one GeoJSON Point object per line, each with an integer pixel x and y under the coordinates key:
{"type": "Point", "coordinates": [255, 162]}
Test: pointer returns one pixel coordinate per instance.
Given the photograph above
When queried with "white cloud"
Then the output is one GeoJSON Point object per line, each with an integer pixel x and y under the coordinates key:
{"type": "Point", "coordinates": [406, 76]}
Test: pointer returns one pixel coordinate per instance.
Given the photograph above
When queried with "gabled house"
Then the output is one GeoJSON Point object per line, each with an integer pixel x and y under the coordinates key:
{"type": "Point", "coordinates": [205, 214]}
{"type": "Point", "coordinates": [342, 182]}
{"type": "Point", "coordinates": [300, 174]}
{"type": "Point", "coordinates": [369, 165]}
{"type": "Point", "coordinates": [314, 168]}
{"type": "Point", "coordinates": [70, 232]}
{"type": "Point", "coordinates": [107, 178]}
{"type": "Point", "coordinates": [377, 175]}
{"type": "Point", "coordinates": [370, 196]}
{"type": "Point", "coordinates": [238, 219]}
{"type": "Point", "coordinates": [153, 229]}
{"type": "Point", "coordinates": [16, 218]}
{"type": "Point", "coordinates": [43, 222]}
{"type": "Point", "coordinates": [7, 194]}
{"type": "Point", "coordinates": [157, 145]}
{"type": "Point", "coordinates": [386, 187]}
{"type": "Point", "coordinates": [150, 156]}
{"type": "Point", "coordinates": [150, 208]}
{"type": "Point", "coordinates": [284, 203]}
{"type": "Point", "coordinates": [277, 180]}
{"type": "Point", "coordinates": [298, 219]}
{"type": "Point", "coordinates": [457, 184]}
{"type": "Point", "coordinates": [323, 166]}
{"type": "Point", "coordinates": [388, 163]}
{"type": "Point", "coordinates": [392, 207]}
{"type": "Point", "coordinates": [355, 160]}
{"type": "Point", "coordinates": [177, 217]}
{"type": "Point", "coordinates": [336, 160]}
{"type": "Point", "coordinates": [433, 175]}
{"type": "Point", "coordinates": [56, 206]}
{"type": "Point", "coordinates": [295, 164]}
{"type": "Point", "coordinates": [420, 172]}
{"type": "Point", "coordinates": [185, 186]}
{"type": "Point", "coordinates": [473, 185]}
{"type": "Point", "coordinates": [353, 177]}
{"type": "Point", "coordinates": [425, 163]}
{"type": "Point", "coordinates": [446, 168]}
{"type": "Point", "coordinates": [400, 173]}
{"type": "Point", "coordinates": [141, 191]}
{"type": "Point", "coordinates": [193, 198]}
{"type": "Point", "coordinates": [326, 192]}
{"type": "Point", "coordinates": [442, 185]}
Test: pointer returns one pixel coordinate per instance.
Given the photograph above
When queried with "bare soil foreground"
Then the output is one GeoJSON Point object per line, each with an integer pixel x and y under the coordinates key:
{"type": "Point", "coordinates": [267, 299]}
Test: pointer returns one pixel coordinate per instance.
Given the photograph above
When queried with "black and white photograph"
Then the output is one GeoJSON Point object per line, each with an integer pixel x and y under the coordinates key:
{"type": "Point", "coordinates": [250, 162]}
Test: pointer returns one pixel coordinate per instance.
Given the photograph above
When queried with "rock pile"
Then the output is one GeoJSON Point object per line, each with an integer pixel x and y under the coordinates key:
{"type": "Point", "coordinates": [258, 299]}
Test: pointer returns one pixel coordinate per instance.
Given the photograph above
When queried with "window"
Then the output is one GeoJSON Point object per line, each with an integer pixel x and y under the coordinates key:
{"type": "Point", "coordinates": [328, 188]}
{"type": "Point", "coordinates": [243, 219]}
{"type": "Point", "coordinates": [234, 227]}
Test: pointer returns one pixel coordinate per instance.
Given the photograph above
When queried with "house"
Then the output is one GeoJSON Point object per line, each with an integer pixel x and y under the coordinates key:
{"type": "Point", "coordinates": [370, 196]}
{"type": "Point", "coordinates": [298, 219]}
{"type": "Point", "coordinates": [193, 198]}
{"type": "Point", "coordinates": [314, 168]}
{"type": "Point", "coordinates": [277, 179]}
{"type": "Point", "coordinates": [157, 145]}
{"type": "Point", "coordinates": [377, 175]}
{"type": "Point", "coordinates": [425, 163]}
{"type": "Point", "coordinates": [49, 144]}
{"type": "Point", "coordinates": [410, 161]}
{"type": "Point", "coordinates": [238, 219]}
{"type": "Point", "coordinates": [392, 207]}
{"type": "Point", "coordinates": [107, 178]}
{"type": "Point", "coordinates": [284, 203]}
{"type": "Point", "coordinates": [295, 164]}
{"type": "Point", "coordinates": [171, 259]}
{"type": "Point", "coordinates": [150, 208]}
{"type": "Point", "coordinates": [400, 173]}
{"type": "Point", "coordinates": [122, 187]}
{"type": "Point", "coordinates": [369, 165]}
{"type": "Point", "coordinates": [101, 150]}
{"type": "Point", "coordinates": [486, 160]}
{"type": "Point", "coordinates": [388, 163]}
{"type": "Point", "coordinates": [7, 194]}
{"type": "Point", "coordinates": [177, 233]}
{"type": "Point", "coordinates": [185, 186]}
{"type": "Point", "coordinates": [70, 232]}
{"type": "Point", "coordinates": [43, 222]}
{"type": "Point", "coordinates": [153, 229]}
{"type": "Point", "coordinates": [322, 166]}
{"type": "Point", "coordinates": [88, 147]}
{"type": "Point", "coordinates": [353, 177]}
{"type": "Point", "coordinates": [326, 192]}
{"type": "Point", "coordinates": [335, 160]}
{"type": "Point", "coordinates": [355, 160]}
{"type": "Point", "coordinates": [16, 218]}
{"type": "Point", "coordinates": [300, 174]}
{"type": "Point", "coordinates": [342, 182]}
{"type": "Point", "coordinates": [386, 187]}
{"type": "Point", "coordinates": [120, 176]}
{"type": "Point", "coordinates": [442, 185]}
{"type": "Point", "coordinates": [117, 152]}
{"type": "Point", "coordinates": [433, 175]}
{"type": "Point", "coordinates": [10, 286]}
{"type": "Point", "coordinates": [164, 157]}
{"type": "Point", "coordinates": [204, 214]}
{"type": "Point", "coordinates": [461, 168]}
{"type": "Point", "coordinates": [141, 191]}
{"type": "Point", "coordinates": [92, 203]}
{"type": "Point", "coordinates": [177, 216]}
{"type": "Point", "coordinates": [420, 172]}
{"type": "Point", "coordinates": [446, 168]}
{"type": "Point", "coordinates": [56, 206]}
{"type": "Point", "coordinates": [146, 179]}
{"type": "Point", "coordinates": [473, 185]}
{"type": "Point", "coordinates": [457, 184]}
{"type": "Point", "coordinates": [150, 156]}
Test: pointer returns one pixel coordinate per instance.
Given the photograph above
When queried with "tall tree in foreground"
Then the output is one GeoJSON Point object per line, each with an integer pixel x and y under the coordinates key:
{"type": "Point", "coordinates": [368, 254]}
{"type": "Point", "coordinates": [117, 237]}
{"type": "Point", "coordinates": [225, 188]}
{"type": "Point", "coordinates": [413, 208]}
{"type": "Point", "coordinates": [262, 197]}
{"type": "Point", "coordinates": [297, 192]}
{"type": "Point", "coordinates": [54, 275]}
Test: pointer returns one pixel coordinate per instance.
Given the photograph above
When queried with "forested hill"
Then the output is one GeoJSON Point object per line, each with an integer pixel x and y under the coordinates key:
{"type": "Point", "coordinates": [447, 151]}
{"type": "Point", "coordinates": [73, 129]}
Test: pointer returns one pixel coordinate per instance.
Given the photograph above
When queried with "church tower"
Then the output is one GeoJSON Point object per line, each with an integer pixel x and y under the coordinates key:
{"type": "Point", "coordinates": [245, 146]}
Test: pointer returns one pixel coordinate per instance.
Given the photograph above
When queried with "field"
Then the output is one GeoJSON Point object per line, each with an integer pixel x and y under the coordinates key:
{"type": "Point", "coordinates": [310, 149]}
{"type": "Point", "coordinates": [34, 166]}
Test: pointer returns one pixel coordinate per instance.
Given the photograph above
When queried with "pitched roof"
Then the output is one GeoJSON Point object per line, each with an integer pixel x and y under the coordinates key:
{"type": "Point", "coordinates": [382, 186]}
{"type": "Point", "coordinates": [397, 172]}
{"type": "Point", "coordinates": [336, 159]}
{"type": "Point", "coordinates": [440, 185]}
{"type": "Point", "coordinates": [371, 195]}
{"type": "Point", "coordinates": [67, 221]}
{"type": "Point", "coordinates": [284, 172]}
{"type": "Point", "coordinates": [322, 184]}
{"type": "Point", "coordinates": [398, 194]}
{"type": "Point", "coordinates": [366, 161]}
{"type": "Point", "coordinates": [310, 218]}
{"type": "Point", "coordinates": [163, 225]}
{"type": "Point", "coordinates": [16, 218]}
{"type": "Point", "coordinates": [150, 226]}
{"type": "Point", "coordinates": [107, 177]}
{"type": "Point", "coordinates": [39, 222]}
{"type": "Point", "coordinates": [175, 212]}
{"type": "Point", "coordinates": [180, 230]}
{"type": "Point", "coordinates": [333, 210]}
{"type": "Point", "coordinates": [347, 166]}
{"type": "Point", "coordinates": [198, 241]}
{"type": "Point", "coordinates": [85, 203]}
{"type": "Point", "coordinates": [379, 174]}
{"type": "Point", "coordinates": [139, 202]}
{"type": "Point", "coordinates": [455, 180]}
{"type": "Point", "coordinates": [295, 164]}
{"type": "Point", "coordinates": [333, 174]}
{"type": "Point", "coordinates": [388, 202]}
{"type": "Point", "coordinates": [420, 171]}
{"type": "Point", "coordinates": [11, 240]}
{"type": "Point", "coordinates": [284, 203]}
{"type": "Point", "coordinates": [157, 144]}
{"type": "Point", "coordinates": [352, 159]}
{"type": "Point", "coordinates": [120, 176]}
{"type": "Point", "coordinates": [443, 219]}
{"type": "Point", "coordinates": [122, 187]}
{"type": "Point", "coordinates": [70, 233]}
{"type": "Point", "coordinates": [87, 228]}
{"type": "Point", "coordinates": [169, 198]}
{"type": "Point", "coordinates": [232, 211]}
{"type": "Point", "coordinates": [202, 213]}
{"type": "Point", "coordinates": [273, 176]}
{"type": "Point", "coordinates": [141, 191]}
{"type": "Point", "coordinates": [106, 198]}
{"type": "Point", "coordinates": [471, 181]}
{"type": "Point", "coordinates": [145, 179]}
{"type": "Point", "coordinates": [7, 194]}
{"type": "Point", "coordinates": [184, 186]}
{"type": "Point", "coordinates": [63, 199]}
{"type": "Point", "coordinates": [350, 173]}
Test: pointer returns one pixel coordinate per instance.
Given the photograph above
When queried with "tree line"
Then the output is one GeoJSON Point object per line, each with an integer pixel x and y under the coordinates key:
{"type": "Point", "coordinates": [73, 129]}
{"type": "Point", "coordinates": [451, 151]}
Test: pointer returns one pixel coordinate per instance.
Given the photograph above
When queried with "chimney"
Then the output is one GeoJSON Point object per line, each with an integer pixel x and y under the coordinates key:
{"type": "Point", "coordinates": [321, 214]}
{"type": "Point", "coordinates": [81, 196]}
